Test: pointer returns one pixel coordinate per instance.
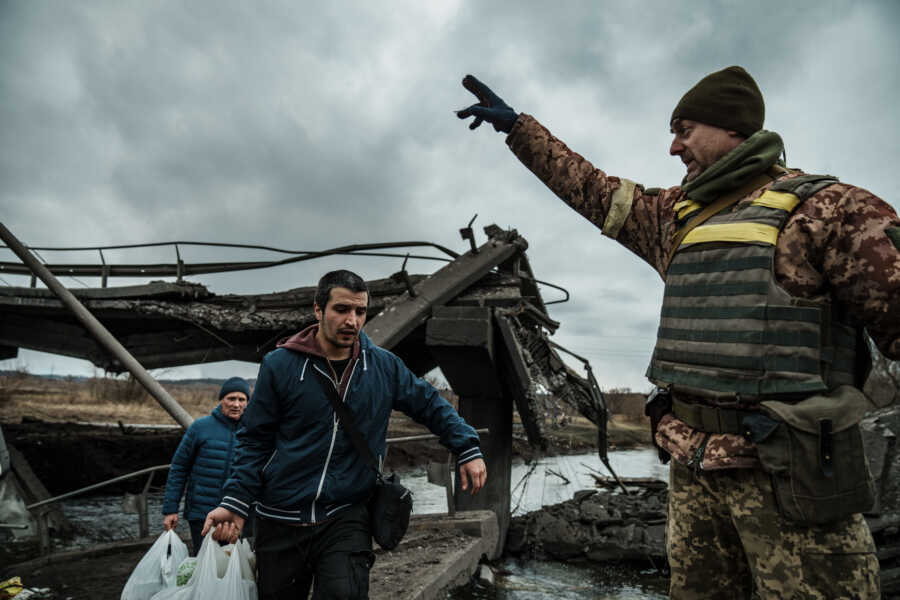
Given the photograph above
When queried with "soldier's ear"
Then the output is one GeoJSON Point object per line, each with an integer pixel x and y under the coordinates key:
{"type": "Point", "coordinates": [894, 234]}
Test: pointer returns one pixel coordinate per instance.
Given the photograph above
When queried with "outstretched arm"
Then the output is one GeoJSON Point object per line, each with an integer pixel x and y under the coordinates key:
{"type": "Point", "coordinates": [639, 220]}
{"type": "Point", "coordinates": [421, 401]}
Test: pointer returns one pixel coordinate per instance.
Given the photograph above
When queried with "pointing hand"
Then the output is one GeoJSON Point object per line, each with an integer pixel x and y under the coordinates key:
{"type": "Point", "coordinates": [490, 107]}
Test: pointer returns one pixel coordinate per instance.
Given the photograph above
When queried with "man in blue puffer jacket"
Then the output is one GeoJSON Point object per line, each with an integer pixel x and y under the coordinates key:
{"type": "Point", "coordinates": [203, 458]}
{"type": "Point", "coordinates": [295, 459]}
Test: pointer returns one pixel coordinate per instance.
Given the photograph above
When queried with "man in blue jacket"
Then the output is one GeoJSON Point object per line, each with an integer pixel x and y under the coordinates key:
{"type": "Point", "coordinates": [203, 458]}
{"type": "Point", "coordinates": [296, 461]}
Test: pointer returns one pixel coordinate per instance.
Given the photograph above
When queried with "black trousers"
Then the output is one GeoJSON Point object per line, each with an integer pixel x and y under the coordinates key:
{"type": "Point", "coordinates": [333, 557]}
{"type": "Point", "coordinates": [196, 526]}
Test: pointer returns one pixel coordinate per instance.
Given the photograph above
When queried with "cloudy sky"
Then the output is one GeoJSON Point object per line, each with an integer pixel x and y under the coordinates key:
{"type": "Point", "coordinates": [313, 125]}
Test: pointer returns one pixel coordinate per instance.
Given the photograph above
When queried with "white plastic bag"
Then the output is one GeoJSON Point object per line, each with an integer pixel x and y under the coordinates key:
{"type": "Point", "coordinates": [157, 569]}
{"type": "Point", "coordinates": [233, 585]}
{"type": "Point", "coordinates": [217, 576]}
{"type": "Point", "coordinates": [248, 569]}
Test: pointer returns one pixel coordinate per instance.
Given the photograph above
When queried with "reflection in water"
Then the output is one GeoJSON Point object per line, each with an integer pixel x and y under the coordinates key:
{"type": "Point", "coordinates": [564, 581]}
{"type": "Point", "coordinates": [542, 488]}
{"type": "Point", "coordinates": [100, 520]}
{"type": "Point", "coordinates": [527, 580]}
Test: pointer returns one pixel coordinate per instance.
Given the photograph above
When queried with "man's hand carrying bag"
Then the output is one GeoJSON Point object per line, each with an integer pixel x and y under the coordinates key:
{"type": "Point", "coordinates": [391, 503]}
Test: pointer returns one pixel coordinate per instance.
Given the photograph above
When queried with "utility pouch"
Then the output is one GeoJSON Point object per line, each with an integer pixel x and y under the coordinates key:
{"type": "Point", "coordinates": [813, 451]}
{"type": "Point", "coordinates": [389, 510]}
{"type": "Point", "coordinates": [659, 403]}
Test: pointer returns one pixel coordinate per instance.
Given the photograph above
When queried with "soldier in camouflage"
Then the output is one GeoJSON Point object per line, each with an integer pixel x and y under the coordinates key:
{"type": "Point", "coordinates": [833, 247]}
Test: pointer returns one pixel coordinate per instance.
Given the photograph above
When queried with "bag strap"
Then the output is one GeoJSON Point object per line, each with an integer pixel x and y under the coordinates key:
{"type": "Point", "coordinates": [719, 205]}
{"type": "Point", "coordinates": [348, 420]}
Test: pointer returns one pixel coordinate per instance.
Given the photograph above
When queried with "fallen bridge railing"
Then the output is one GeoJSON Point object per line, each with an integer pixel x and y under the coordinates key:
{"type": "Point", "coordinates": [180, 269]}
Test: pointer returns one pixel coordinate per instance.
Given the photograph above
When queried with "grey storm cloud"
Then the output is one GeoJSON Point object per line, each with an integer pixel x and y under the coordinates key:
{"type": "Point", "coordinates": [314, 125]}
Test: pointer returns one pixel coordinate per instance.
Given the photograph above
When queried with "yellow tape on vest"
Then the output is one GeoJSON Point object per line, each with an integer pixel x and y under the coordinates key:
{"type": "Point", "coordinates": [732, 232]}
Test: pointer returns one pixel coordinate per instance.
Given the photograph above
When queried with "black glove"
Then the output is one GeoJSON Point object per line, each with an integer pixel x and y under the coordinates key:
{"type": "Point", "coordinates": [490, 107]}
{"type": "Point", "coordinates": [659, 403]}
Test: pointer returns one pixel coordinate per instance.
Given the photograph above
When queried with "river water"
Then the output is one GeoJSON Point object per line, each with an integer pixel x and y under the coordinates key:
{"type": "Point", "coordinates": [100, 519]}
{"type": "Point", "coordinates": [533, 580]}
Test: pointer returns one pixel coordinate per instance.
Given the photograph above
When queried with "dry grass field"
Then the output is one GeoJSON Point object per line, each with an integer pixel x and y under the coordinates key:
{"type": "Point", "coordinates": [98, 399]}
{"type": "Point", "coordinates": [122, 399]}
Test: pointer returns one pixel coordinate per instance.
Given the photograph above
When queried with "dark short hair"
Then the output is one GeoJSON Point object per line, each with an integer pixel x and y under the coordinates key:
{"type": "Point", "coordinates": [341, 278]}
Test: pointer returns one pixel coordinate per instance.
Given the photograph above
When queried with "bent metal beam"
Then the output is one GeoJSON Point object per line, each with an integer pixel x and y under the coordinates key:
{"type": "Point", "coordinates": [96, 329]}
{"type": "Point", "coordinates": [393, 323]}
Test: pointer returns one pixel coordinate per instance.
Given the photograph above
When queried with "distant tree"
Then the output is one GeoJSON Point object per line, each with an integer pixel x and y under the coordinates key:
{"type": "Point", "coordinates": [619, 390]}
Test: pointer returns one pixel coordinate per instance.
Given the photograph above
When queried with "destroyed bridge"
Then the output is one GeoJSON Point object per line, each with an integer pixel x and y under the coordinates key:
{"type": "Point", "coordinates": [480, 318]}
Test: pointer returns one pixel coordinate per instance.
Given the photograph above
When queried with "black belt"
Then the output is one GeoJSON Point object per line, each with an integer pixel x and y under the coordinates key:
{"type": "Point", "coordinates": [711, 419]}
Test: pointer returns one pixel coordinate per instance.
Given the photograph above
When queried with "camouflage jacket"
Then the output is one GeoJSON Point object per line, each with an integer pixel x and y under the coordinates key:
{"type": "Point", "coordinates": [836, 243]}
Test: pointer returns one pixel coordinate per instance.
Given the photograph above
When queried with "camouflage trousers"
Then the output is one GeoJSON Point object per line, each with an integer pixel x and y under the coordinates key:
{"type": "Point", "coordinates": [726, 539]}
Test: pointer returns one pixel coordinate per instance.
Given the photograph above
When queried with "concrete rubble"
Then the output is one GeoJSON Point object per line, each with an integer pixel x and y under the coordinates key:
{"type": "Point", "coordinates": [605, 525]}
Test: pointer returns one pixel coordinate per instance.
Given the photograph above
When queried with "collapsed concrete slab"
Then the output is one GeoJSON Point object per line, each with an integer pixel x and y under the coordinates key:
{"type": "Point", "coordinates": [480, 318]}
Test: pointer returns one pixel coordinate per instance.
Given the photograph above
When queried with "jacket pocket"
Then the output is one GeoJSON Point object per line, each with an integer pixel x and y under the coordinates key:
{"type": "Point", "coordinates": [813, 451]}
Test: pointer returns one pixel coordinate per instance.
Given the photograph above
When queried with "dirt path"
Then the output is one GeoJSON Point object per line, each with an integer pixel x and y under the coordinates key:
{"type": "Point", "coordinates": [97, 577]}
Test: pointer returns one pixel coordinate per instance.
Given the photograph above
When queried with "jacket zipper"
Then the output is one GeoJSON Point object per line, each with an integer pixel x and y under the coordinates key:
{"type": "Point", "coordinates": [268, 462]}
{"type": "Point", "coordinates": [333, 436]}
{"type": "Point", "coordinates": [230, 457]}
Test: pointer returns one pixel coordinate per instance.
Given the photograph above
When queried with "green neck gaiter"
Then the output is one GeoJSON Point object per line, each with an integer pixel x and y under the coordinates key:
{"type": "Point", "coordinates": [752, 157]}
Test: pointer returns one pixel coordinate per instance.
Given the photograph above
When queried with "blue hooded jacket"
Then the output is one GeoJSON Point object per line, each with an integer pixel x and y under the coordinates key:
{"type": "Point", "coordinates": [293, 456]}
{"type": "Point", "coordinates": [201, 464]}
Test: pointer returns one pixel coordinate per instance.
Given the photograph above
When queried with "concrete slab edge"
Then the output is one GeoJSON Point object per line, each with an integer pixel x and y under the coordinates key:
{"type": "Point", "coordinates": [482, 526]}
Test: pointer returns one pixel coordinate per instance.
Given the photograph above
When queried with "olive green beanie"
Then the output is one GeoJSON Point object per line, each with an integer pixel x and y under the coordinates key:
{"type": "Point", "coordinates": [729, 99]}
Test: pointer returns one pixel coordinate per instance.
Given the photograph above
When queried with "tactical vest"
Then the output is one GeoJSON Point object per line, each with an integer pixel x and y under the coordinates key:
{"type": "Point", "coordinates": [728, 331]}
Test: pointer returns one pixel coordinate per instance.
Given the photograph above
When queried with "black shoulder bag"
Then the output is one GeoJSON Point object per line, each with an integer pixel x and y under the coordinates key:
{"type": "Point", "coordinates": [391, 503]}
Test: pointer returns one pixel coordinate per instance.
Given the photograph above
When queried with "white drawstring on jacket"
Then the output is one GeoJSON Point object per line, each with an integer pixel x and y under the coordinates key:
{"type": "Point", "coordinates": [303, 372]}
